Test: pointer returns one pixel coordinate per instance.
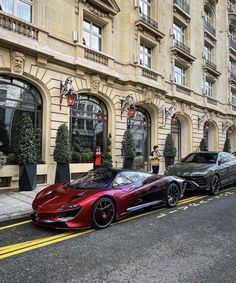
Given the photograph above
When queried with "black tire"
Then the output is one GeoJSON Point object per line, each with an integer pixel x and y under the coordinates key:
{"type": "Point", "coordinates": [103, 213]}
{"type": "Point", "coordinates": [215, 185]}
{"type": "Point", "coordinates": [173, 195]}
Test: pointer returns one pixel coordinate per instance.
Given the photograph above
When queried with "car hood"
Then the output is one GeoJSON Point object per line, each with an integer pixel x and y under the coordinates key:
{"type": "Point", "coordinates": [181, 169]}
{"type": "Point", "coordinates": [55, 196]}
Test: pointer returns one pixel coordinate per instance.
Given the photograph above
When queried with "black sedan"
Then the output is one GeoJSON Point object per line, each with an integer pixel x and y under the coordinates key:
{"type": "Point", "coordinates": [206, 170]}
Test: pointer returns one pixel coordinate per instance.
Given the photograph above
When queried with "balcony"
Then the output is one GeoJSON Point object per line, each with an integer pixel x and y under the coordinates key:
{"type": "Point", "coordinates": [17, 26]}
{"type": "Point", "coordinates": [149, 74]}
{"type": "Point", "coordinates": [96, 56]}
{"type": "Point", "coordinates": [148, 24]}
{"type": "Point", "coordinates": [182, 50]}
{"type": "Point", "coordinates": [209, 29]}
{"type": "Point", "coordinates": [211, 68]}
{"type": "Point", "coordinates": [232, 77]}
{"type": "Point", "coordinates": [232, 45]}
{"type": "Point", "coordinates": [182, 7]}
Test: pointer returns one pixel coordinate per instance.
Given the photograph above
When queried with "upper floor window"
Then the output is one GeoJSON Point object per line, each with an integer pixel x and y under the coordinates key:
{"type": "Point", "coordinates": [233, 96]}
{"type": "Point", "coordinates": [19, 8]}
{"type": "Point", "coordinates": [92, 35]}
{"type": "Point", "coordinates": [145, 56]}
{"type": "Point", "coordinates": [207, 16]}
{"type": "Point", "coordinates": [179, 75]}
{"type": "Point", "coordinates": [178, 33]}
{"type": "Point", "coordinates": [207, 53]}
{"type": "Point", "coordinates": [145, 6]}
{"type": "Point", "coordinates": [208, 88]}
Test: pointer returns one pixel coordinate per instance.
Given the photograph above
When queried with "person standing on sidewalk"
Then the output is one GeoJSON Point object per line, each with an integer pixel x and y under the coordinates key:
{"type": "Point", "coordinates": [155, 159]}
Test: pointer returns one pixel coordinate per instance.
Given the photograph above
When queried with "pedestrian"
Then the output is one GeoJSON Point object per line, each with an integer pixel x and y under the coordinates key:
{"type": "Point", "coordinates": [155, 159]}
{"type": "Point", "coordinates": [98, 158]}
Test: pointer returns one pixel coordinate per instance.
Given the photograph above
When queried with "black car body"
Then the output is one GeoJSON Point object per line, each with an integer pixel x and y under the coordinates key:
{"type": "Point", "coordinates": [206, 170]}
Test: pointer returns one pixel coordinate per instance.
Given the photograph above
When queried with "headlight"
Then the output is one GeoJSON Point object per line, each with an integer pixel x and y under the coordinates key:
{"type": "Point", "coordinates": [201, 173]}
{"type": "Point", "coordinates": [69, 206]}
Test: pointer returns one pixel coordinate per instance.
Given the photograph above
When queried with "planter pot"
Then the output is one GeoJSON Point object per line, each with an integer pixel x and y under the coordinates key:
{"type": "Point", "coordinates": [27, 177]}
{"type": "Point", "coordinates": [169, 161]}
{"type": "Point", "coordinates": [128, 163]}
{"type": "Point", "coordinates": [62, 173]}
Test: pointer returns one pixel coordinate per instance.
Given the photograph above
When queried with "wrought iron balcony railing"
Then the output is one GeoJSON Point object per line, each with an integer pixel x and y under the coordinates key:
{"type": "Point", "coordinates": [181, 46]}
{"type": "Point", "coordinates": [210, 64]}
{"type": "Point", "coordinates": [148, 20]}
{"type": "Point", "coordinates": [208, 27]}
{"type": "Point", "coordinates": [232, 44]}
{"type": "Point", "coordinates": [183, 5]}
{"type": "Point", "coordinates": [233, 76]}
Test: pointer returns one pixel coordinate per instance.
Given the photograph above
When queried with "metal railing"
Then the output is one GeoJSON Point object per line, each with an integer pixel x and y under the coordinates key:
{"type": "Point", "coordinates": [232, 43]}
{"type": "Point", "coordinates": [210, 64]}
{"type": "Point", "coordinates": [148, 20]}
{"type": "Point", "coordinates": [181, 46]}
{"type": "Point", "coordinates": [18, 26]}
{"type": "Point", "coordinates": [233, 76]}
{"type": "Point", "coordinates": [209, 28]}
{"type": "Point", "coordinates": [183, 5]}
{"type": "Point", "coordinates": [95, 56]}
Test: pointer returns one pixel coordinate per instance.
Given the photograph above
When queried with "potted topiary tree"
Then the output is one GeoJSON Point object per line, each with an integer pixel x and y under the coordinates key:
{"type": "Point", "coordinates": [227, 145]}
{"type": "Point", "coordinates": [76, 153]}
{"type": "Point", "coordinates": [25, 151]}
{"type": "Point", "coordinates": [128, 149]}
{"type": "Point", "coordinates": [169, 151]}
{"type": "Point", "coordinates": [62, 155]}
{"type": "Point", "coordinates": [202, 145]}
{"type": "Point", "coordinates": [107, 160]}
{"type": "Point", "coordinates": [3, 157]}
{"type": "Point", "coordinates": [38, 145]}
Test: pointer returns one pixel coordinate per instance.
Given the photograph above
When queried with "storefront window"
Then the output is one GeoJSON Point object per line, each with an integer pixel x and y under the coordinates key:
{"type": "Point", "coordinates": [17, 97]}
{"type": "Point", "coordinates": [84, 117]}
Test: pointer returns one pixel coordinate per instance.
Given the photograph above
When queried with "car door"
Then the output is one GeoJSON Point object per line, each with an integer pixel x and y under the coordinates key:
{"type": "Point", "coordinates": [232, 167]}
{"type": "Point", "coordinates": [223, 169]}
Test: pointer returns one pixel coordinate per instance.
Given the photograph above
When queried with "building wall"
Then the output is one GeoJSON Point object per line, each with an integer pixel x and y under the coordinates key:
{"type": "Point", "coordinates": [53, 55]}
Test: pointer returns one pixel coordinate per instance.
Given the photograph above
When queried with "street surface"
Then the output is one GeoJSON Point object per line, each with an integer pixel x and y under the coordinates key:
{"type": "Point", "coordinates": [193, 243]}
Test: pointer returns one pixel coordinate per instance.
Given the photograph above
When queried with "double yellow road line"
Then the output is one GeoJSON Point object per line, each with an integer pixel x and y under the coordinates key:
{"type": "Point", "coordinates": [14, 249]}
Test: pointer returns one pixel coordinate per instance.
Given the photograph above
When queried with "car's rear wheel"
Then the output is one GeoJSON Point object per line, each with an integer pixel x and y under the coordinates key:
{"type": "Point", "coordinates": [215, 185]}
{"type": "Point", "coordinates": [173, 195]}
{"type": "Point", "coordinates": [103, 213]}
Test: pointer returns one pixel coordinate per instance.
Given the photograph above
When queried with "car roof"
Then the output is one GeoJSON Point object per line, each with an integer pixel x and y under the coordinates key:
{"type": "Point", "coordinates": [103, 169]}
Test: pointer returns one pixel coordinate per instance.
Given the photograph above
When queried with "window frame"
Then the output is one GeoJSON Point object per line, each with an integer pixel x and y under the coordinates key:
{"type": "Point", "coordinates": [180, 75]}
{"type": "Point", "coordinates": [145, 7]}
{"type": "Point", "coordinates": [13, 11]}
{"type": "Point", "coordinates": [209, 85]}
{"type": "Point", "coordinates": [179, 33]}
{"type": "Point", "coordinates": [92, 34]}
{"type": "Point", "coordinates": [145, 55]}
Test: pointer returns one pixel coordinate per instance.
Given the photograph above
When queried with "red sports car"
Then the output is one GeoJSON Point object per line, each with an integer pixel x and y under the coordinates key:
{"type": "Point", "coordinates": [103, 195]}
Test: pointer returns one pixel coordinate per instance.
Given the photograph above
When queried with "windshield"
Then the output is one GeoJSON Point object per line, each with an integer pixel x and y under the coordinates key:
{"type": "Point", "coordinates": [93, 180]}
{"type": "Point", "coordinates": [201, 157]}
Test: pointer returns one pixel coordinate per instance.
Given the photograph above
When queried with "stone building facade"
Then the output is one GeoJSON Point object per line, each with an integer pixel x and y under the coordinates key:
{"type": "Point", "coordinates": [175, 59]}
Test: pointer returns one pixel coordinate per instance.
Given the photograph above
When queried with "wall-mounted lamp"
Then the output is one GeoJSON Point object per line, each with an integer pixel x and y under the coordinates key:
{"type": "Point", "coordinates": [202, 120]}
{"type": "Point", "coordinates": [170, 112]}
{"type": "Point", "coordinates": [128, 103]}
{"type": "Point", "coordinates": [67, 90]}
{"type": "Point", "coordinates": [229, 131]}
{"type": "Point", "coordinates": [226, 126]}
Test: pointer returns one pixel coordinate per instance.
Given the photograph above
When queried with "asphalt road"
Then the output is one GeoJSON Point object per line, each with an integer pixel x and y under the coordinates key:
{"type": "Point", "coordinates": [194, 242]}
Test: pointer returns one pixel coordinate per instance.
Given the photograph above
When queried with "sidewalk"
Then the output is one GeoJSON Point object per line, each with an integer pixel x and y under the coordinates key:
{"type": "Point", "coordinates": [14, 205]}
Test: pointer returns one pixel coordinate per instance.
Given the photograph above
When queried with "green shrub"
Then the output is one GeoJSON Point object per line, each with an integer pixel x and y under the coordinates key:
{"type": "Point", "coordinates": [25, 140]}
{"type": "Point", "coordinates": [62, 151]}
{"type": "Point", "coordinates": [169, 149]}
{"type": "Point", "coordinates": [85, 157]}
{"type": "Point", "coordinates": [107, 164]}
{"type": "Point", "coordinates": [38, 144]}
{"type": "Point", "coordinates": [76, 157]}
{"type": "Point", "coordinates": [127, 145]}
{"type": "Point", "coordinates": [11, 159]}
{"type": "Point", "coordinates": [227, 145]}
{"type": "Point", "coordinates": [203, 146]}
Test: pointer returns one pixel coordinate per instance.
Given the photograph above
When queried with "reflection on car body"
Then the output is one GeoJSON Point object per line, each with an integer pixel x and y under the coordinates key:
{"type": "Point", "coordinates": [206, 170]}
{"type": "Point", "coordinates": [100, 196]}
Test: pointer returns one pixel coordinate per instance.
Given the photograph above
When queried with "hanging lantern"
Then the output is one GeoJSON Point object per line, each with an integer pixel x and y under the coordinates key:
{"type": "Point", "coordinates": [206, 126]}
{"type": "Point", "coordinates": [131, 111]}
{"type": "Point", "coordinates": [229, 131]}
{"type": "Point", "coordinates": [174, 119]}
{"type": "Point", "coordinates": [70, 99]}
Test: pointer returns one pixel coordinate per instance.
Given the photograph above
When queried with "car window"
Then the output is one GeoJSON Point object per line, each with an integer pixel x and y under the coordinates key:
{"type": "Point", "coordinates": [226, 157]}
{"type": "Point", "coordinates": [201, 157]}
{"type": "Point", "coordinates": [123, 179]}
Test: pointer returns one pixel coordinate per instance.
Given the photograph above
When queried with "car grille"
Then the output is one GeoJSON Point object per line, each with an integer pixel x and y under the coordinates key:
{"type": "Point", "coordinates": [200, 181]}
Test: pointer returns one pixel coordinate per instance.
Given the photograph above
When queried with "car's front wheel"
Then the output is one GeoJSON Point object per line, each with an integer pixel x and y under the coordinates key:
{"type": "Point", "coordinates": [103, 213]}
{"type": "Point", "coordinates": [173, 195]}
{"type": "Point", "coordinates": [215, 185]}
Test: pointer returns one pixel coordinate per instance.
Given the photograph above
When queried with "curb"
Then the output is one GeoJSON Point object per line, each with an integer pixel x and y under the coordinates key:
{"type": "Point", "coordinates": [15, 215]}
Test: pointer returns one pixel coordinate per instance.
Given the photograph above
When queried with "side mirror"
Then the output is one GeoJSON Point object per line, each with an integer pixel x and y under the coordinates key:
{"type": "Point", "coordinates": [220, 161]}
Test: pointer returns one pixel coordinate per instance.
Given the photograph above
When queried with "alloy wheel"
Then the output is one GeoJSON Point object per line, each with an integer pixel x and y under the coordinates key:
{"type": "Point", "coordinates": [173, 195]}
{"type": "Point", "coordinates": [215, 185]}
{"type": "Point", "coordinates": [103, 213]}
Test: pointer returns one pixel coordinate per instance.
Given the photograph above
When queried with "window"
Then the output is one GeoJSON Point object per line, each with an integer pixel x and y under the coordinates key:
{"type": "Point", "coordinates": [17, 97]}
{"type": "Point", "coordinates": [145, 56]}
{"type": "Point", "coordinates": [178, 33]}
{"type": "Point", "coordinates": [84, 118]}
{"type": "Point", "coordinates": [19, 8]}
{"type": "Point", "coordinates": [207, 53]}
{"type": "Point", "coordinates": [145, 6]}
{"type": "Point", "coordinates": [92, 35]}
{"type": "Point", "coordinates": [207, 16]}
{"type": "Point", "coordinates": [179, 75]}
{"type": "Point", "coordinates": [208, 88]}
{"type": "Point", "coordinates": [233, 96]}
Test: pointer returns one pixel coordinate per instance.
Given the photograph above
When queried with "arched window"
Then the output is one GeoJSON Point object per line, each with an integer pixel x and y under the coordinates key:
{"type": "Point", "coordinates": [89, 116]}
{"type": "Point", "coordinates": [140, 128]}
{"type": "Point", "coordinates": [16, 97]}
{"type": "Point", "coordinates": [176, 134]}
